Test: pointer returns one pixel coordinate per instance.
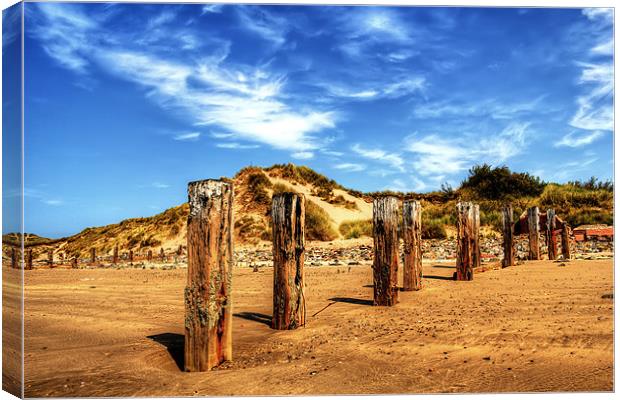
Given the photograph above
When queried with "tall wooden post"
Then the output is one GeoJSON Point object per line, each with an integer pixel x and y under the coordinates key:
{"type": "Point", "coordinates": [288, 215]}
{"type": "Point", "coordinates": [115, 256]}
{"type": "Point", "coordinates": [385, 263]}
{"type": "Point", "coordinates": [507, 230]}
{"type": "Point", "coordinates": [149, 255]}
{"type": "Point", "coordinates": [29, 259]}
{"type": "Point", "coordinates": [93, 256]}
{"type": "Point", "coordinates": [208, 302]}
{"type": "Point", "coordinates": [552, 252]}
{"type": "Point", "coordinates": [50, 258]}
{"type": "Point", "coordinates": [412, 236]}
{"type": "Point", "coordinates": [533, 226]}
{"type": "Point", "coordinates": [477, 255]}
{"type": "Point", "coordinates": [14, 257]}
{"type": "Point", "coordinates": [465, 248]}
{"type": "Point", "coordinates": [565, 241]}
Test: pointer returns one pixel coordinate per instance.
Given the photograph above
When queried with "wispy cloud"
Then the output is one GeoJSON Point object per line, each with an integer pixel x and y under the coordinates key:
{"type": "Point", "coordinates": [393, 159]}
{"type": "Point", "coordinates": [595, 106]}
{"type": "Point", "coordinates": [235, 145]}
{"type": "Point", "coordinates": [350, 167]}
{"type": "Point", "coordinates": [579, 139]}
{"type": "Point", "coordinates": [11, 25]}
{"type": "Point", "coordinates": [247, 102]}
{"type": "Point", "coordinates": [212, 8]}
{"type": "Point", "coordinates": [601, 15]}
{"type": "Point", "coordinates": [53, 202]}
{"type": "Point", "coordinates": [266, 24]}
{"type": "Point", "coordinates": [303, 155]}
{"type": "Point", "coordinates": [160, 185]}
{"type": "Point", "coordinates": [187, 137]}
{"type": "Point", "coordinates": [438, 155]}
{"type": "Point", "coordinates": [494, 108]}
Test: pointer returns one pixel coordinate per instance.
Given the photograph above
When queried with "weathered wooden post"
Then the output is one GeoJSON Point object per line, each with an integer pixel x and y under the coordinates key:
{"type": "Point", "coordinates": [149, 255]}
{"type": "Point", "coordinates": [29, 259]}
{"type": "Point", "coordinates": [93, 256]}
{"type": "Point", "coordinates": [476, 255]}
{"type": "Point", "coordinates": [208, 302]}
{"type": "Point", "coordinates": [131, 256]}
{"type": "Point", "coordinates": [465, 248]}
{"type": "Point", "coordinates": [74, 262]}
{"type": "Point", "coordinates": [565, 241]}
{"type": "Point", "coordinates": [14, 257]}
{"type": "Point", "coordinates": [385, 262]}
{"type": "Point", "coordinates": [115, 256]}
{"type": "Point", "coordinates": [162, 255]}
{"type": "Point", "coordinates": [180, 250]}
{"type": "Point", "coordinates": [507, 230]}
{"type": "Point", "coordinates": [552, 252]}
{"type": "Point", "coordinates": [50, 258]}
{"type": "Point", "coordinates": [288, 216]}
{"type": "Point", "coordinates": [533, 229]}
{"type": "Point", "coordinates": [412, 236]}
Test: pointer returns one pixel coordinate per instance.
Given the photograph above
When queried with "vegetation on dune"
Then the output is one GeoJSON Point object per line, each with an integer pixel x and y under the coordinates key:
{"type": "Point", "coordinates": [356, 229]}
{"type": "Point", "coordinates": [318, 223]}
{"type": "Point", "coordinates": [488, 183]}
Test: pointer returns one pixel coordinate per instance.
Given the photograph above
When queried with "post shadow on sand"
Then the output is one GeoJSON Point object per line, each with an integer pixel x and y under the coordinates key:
{"type": "Point", "coordinates": [444, 266]}
{"type": "Point", "coordinates": [350, 300]}
{"type": "Point", "coordinates": [443, 278]}
{"type": "Point", "coordinates": [175, 344]}
{"type": "Point", "coordinates": [254, 316]}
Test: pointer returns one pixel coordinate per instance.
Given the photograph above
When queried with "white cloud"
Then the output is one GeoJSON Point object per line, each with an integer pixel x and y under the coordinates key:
{"type": "Point", "coordinates": [188, 137]}
{"type": "Point", "coordinates": [235, 145]}
{"type": "Point", "coordinates": [491, 107]}
{"type": "Point", "coordinates": [595, 106]}
{"type": "Point", "coordinates": [438, 155]}
{"type": "Point", "coordinates": [258, 20]}
{"type": "Point", "coordinates": [303, 155]}
{"type": "Point", "coordinates": [414, 185]}
{"type": "Point", "coordinates": [604, 48]}
{"type": "Point", "coordinates": [575, 139]}
{"type": "Point", "coordinates": [53, 202]}
{"type": "Point", "coordinates": [602, 15]}
{"type": "Point", "coordinates": [212, 8]}
{"type": "Point", "coordinates": [350, 167]}
{"type": "Point", "coordinates": [246, 102]}
{"type": "Point", "coordinates": [159, 185]}
{"type": "Point", "coordinates": [392, 159]}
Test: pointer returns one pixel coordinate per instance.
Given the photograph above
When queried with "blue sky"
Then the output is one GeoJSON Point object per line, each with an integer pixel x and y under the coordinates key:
{"type": "Point", "coordinates": [126, 103]}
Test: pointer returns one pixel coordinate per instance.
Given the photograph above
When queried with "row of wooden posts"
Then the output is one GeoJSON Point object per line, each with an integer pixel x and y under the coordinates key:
{"type": "Point", "coordinates": [208, 302]}
{"type": "Point", "coordinates": [29, 259]}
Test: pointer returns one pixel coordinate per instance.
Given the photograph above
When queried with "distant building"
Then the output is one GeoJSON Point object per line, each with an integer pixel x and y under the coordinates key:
{"type": "Point", "coordinates": [597, 232]}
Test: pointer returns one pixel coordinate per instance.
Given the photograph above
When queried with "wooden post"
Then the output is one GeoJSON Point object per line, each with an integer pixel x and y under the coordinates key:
{"type": "Point", "coordinates": [14, 257]}
{"type": "Point", "coordinates": [162, 255]}
{"type": "Point", "coordinates": [149, 255]}
{"type": "Point", "coordinates": [465, 248]}
{"type": "Point", "coordinates": [208, 302]}
{"type": "Point", "coordinates": [476, 255]}
{"type": "Point", "coordinates": [50, 258]}
{"type": "Point", "coordinates": [565, 241]}
{"type": "Point", "coordinates": [533, 229]}
{"type": "Point", "coordinates": [74, 262]}
{"type": "Point", "coordinates": [385, 263]}
{"type": "Point", "coordinates": [93, 255]}
{"type": "Point", "coordinates": [115, 256]}
{"type": "Point", "coordinates": [131, 256]}
{"type": "Point", "coordinates": [288, 216]}
{"type": "Point", "coordinates": [180, 250]}
{"type": "Point", "coordinates": [412, 236]}
{"type": "Point", "coordinates": [507, 229]}
{"type": "Point", "coordinates": [29, 259]}
{"type": "Point", "coordinates": [552, 252]}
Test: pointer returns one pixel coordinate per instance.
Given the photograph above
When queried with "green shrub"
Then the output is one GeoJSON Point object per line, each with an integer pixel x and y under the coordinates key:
{"type": "Point", "coordinates": [356, 229]}
{"type": "Point", "coordinates": [499, 182]}
{"type": "Point", "coordinates": [318, 224]}
{"type": "Point", "coordinates": [433, 229]}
